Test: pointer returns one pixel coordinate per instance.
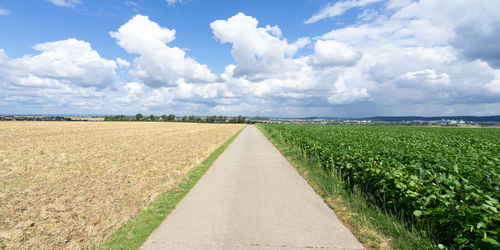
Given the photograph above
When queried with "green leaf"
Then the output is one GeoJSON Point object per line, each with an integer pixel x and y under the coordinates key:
{"type": "Point", "coordinates": [417, 213]}
{"type": "Point", "coordinates": [490, 241]}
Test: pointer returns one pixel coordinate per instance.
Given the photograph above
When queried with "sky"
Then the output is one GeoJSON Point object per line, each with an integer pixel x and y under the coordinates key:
{"type": "Point", "coordinates": [280, 58]}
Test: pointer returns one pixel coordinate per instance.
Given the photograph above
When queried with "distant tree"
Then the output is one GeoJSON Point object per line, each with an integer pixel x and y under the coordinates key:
{"type": "Point", "coordinates": [241, 119]}
{"type": "Point", "coordinates": [184, 119]}
{"type": "Point", "coordinates": [152, 118]}
{"type": "Point", "coordinates": [163, 117]}
{"type": "Point", "coordinates": [220, 119]}
{"type": "Point", "coordinates": [211, 119]}
{"type": "Point", "coordinates": [171, 117]}
{"type": "Point", "coordinates": [139, 117]}
{"type": "Point", "coordinates": [120, 118]}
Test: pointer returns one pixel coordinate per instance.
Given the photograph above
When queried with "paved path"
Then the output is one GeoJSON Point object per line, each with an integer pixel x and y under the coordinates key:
{"type": "Point", "coordinates": [251, 198]}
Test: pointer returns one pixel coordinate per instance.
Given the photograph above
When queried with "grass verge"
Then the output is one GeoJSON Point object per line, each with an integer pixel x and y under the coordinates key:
{"type": "Point", "coordinates": [375, 228]}
{"type": "Point", "coordinates": [136, 230]}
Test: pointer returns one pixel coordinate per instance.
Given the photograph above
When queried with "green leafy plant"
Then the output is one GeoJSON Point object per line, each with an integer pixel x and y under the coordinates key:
{"type": "Point", "coordinates": [444, 180]}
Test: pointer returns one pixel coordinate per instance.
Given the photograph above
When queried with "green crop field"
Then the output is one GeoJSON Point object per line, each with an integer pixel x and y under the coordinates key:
{"type": "Point", "coordinates": [445, 181]}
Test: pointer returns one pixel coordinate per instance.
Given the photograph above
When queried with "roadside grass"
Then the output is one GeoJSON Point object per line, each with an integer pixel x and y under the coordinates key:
{"type": "Point", "coordinates": [136, 230]}
{"type": "Point", "coordinates": [375, 228]}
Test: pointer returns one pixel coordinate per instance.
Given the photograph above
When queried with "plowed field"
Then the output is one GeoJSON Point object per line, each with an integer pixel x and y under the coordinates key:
{"type": "Point", "coordinates": [71, 184]}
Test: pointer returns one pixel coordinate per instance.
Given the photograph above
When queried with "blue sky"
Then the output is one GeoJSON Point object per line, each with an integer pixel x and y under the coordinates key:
{"type": "Point", "coordinates": [348, 58]}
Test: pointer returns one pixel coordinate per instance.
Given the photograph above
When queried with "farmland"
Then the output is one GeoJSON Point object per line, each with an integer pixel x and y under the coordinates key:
{"type": "Point", "coordinates": [442, 180]}
{"type": "Point", "coordinates": [72, 184]}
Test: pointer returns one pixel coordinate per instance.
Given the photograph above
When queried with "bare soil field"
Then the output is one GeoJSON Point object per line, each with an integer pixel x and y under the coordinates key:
{"type": "Point", "coordinates": [72, 184]}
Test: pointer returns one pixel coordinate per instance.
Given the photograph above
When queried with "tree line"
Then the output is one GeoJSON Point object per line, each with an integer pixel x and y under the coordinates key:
{"type": "Point", "coordinates": [173, 118]}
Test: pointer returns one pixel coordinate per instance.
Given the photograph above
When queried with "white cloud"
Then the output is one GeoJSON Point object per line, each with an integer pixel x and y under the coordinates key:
{"type": "Point", "coordinates": [259, 51]}
{"type": "Point", "coordinates": [333, 53]}
{"type": "Point", "coordinates": [338, 9]}
{"type": "Point", "coordinates": [134, 88]}
{"type": "Point", "coordinates": [140, 35]}
{"type": "Point", "coordinates": [494, 85]}
{"type": "Point", "coordinates": [122, 63]}
{"type": "Point", "coordinates": [427, 77]}
{"type": "Point", "coordinates": [172, 2]}
{"type": "Point", "coordinates": [397, 4]}
{"type": "Point", "coordinates": [269, 77]}
{"type": "Point", "coordinates": [65, 3]}
{"type": "Point", "coordinates": [158, 64]}
{"type": "Point", "coordinates": [202, 92]}
{"type": "Point", "coordinates": [3, 12]}
{"type": "Point", "coordinates": [65, 73]}
{"type": "Point", "coordinates": [70, 61]}
{"type": "Point", "coordinates": [368, 15]}
{"type": "Point", "coordinates": [344, 95]}
{"type": "Point", "coordinates": [274, 80]}
{"type": "Point", "coordinates": [434, 54]}
{"type": "Point", "coordinates": [133, 93]}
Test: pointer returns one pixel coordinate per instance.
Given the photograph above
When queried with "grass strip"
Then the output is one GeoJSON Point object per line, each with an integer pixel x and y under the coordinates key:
{"type": "Point", "coordinates": [375, 228]}
{"type": "Point", "coordinates": [135, 231]}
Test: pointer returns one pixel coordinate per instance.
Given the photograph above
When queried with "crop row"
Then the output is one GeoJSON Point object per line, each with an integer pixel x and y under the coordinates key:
{"type": "Point", "coordinates": [446, 179]}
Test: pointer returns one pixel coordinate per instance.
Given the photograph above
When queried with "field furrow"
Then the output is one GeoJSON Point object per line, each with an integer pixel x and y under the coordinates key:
{"type": "Point", "coordinates": [71, 184]}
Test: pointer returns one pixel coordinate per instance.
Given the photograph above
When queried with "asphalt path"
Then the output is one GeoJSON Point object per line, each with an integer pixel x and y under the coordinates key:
{"type": "Point", "coordinates": [252, 198]}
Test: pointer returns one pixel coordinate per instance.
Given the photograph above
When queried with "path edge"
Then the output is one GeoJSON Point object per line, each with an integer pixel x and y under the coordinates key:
{"type": "Point", "coordinates": [135, 231]}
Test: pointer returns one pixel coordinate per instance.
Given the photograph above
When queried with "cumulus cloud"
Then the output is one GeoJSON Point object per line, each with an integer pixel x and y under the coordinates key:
{"type": "Point", "coordinates": [258, 51]}
{"type": "Point", "coordinates": [65, 73]}
{"type": "Point", "coordinates": [267, 77]}
{"type": "Point", "coordinates": [267, 72]}
{"type": "Point", "coordinates": [68, 61]}
{"type": "Point", "coordinates": [122, 63]}
{"type": "Point", "coordinates": [333, 53]}
{"type": "Point", "coordinates": [424, 77]}
{"type": "Point", "coordinates": [494, 85]}
{"type": "Point", "coordinates": [140, 35]}
{"type": "Point", "coordinates": [427, 54]}
{"type": "Point", "coordinates": [338, 8]}
{"type": "Point", "coordinates": [344, 95]}
{"type": "Point", "coordinates": [158, 64]}
{"type": "Point", "coordinates": [65, 3]}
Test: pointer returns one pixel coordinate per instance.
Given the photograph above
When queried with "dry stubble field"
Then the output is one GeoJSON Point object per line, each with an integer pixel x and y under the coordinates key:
{"type": "Point", "coordinates": [72, 184]}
